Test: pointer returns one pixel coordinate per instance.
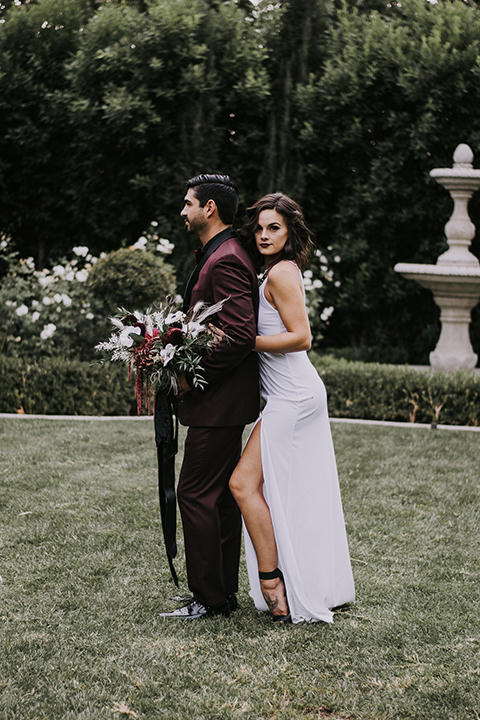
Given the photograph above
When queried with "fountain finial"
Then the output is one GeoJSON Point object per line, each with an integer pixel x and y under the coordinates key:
{"type": "Point", "coordinates": [463, 156]}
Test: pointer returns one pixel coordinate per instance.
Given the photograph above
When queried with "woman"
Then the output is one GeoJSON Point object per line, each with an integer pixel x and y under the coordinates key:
{"type": "Point", "coordinates": [286, 482]}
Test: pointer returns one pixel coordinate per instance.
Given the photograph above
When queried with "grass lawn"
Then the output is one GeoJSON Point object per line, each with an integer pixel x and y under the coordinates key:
{"type": "Point", "coordinates": [83, 578]}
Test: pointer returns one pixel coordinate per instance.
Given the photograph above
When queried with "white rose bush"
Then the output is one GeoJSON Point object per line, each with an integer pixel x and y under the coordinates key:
{"type": "Point", "coordinates": [45, 312]}
{"type": "Point", "coordinates": [321, 285]}
{"type": "Point", "coordinates": [53, 311]}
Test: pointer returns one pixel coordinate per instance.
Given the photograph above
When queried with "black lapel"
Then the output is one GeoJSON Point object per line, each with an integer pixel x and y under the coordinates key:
{"type": "Point", "coordinates": [209, 248]}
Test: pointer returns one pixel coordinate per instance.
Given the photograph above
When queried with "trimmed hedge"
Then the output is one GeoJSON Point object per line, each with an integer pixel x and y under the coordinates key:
{"type": "Point", "coordinates": [372, 391]}
{"type": "Point", "coordinates": [355, 390]}
{"type": "Point", "coordinates": [64, 387]}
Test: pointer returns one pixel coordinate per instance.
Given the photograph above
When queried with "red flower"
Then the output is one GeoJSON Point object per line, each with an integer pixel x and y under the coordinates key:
{"type": "Point", "coordinates": [129, 320]}
{"type": "Point", "coordinates": [143, 362]}
{"type": "Point", "coordinates": [174, 336]}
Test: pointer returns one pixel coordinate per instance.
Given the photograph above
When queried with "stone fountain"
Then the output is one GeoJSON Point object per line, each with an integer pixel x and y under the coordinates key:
{"type": "Point", "coordinates": [455, 278]}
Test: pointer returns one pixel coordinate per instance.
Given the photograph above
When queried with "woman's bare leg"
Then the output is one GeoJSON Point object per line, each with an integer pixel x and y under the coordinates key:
{"type": "Point", "coordinates": [246, 485]}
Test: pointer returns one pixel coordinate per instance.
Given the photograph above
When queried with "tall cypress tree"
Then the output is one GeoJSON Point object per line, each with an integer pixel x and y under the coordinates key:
{"type": "Point", "coordinates": [296, 51]}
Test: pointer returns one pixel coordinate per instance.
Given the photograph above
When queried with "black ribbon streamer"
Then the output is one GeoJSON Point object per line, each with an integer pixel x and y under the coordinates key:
{"type": "Point", "coordinates": [166, 439]}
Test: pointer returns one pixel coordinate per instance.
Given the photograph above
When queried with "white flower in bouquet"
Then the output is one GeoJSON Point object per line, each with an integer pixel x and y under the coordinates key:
{"type": "Point", "coordinates": [125, 336]}
{"type": "Point", "coordinates": [194, 328]}
{"type": "Point", "coordinates": [167, 354]}
{"type": "Point", "coordinates": [174, 317]}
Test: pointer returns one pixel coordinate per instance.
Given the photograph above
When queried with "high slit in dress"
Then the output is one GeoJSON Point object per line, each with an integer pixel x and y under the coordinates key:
{"type": "Point", "coordinates": [300, 484]}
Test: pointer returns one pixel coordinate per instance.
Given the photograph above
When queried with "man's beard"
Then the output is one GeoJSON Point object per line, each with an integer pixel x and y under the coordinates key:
{"type": "Point", "coordinates": [196, 225]}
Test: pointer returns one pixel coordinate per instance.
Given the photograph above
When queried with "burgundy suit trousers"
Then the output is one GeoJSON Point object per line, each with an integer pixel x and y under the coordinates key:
{"type": "Point", "coordinates": [211, 519]}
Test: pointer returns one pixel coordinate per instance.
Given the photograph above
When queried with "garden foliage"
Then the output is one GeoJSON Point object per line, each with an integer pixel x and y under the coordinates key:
{"type": "Point", "coordinates": [393, 100]}
{"type": "Point", "coordinates": [107, 107]}
{"type": "Point", "coordinates": [64, 311]}
{"type": "Point", "coordinates": [54, 386]}
{"type": "Point", "coordinates": [355, 390]}
{"type": "Point", "coordinates": [108, 114]}
{"type": "Point", "coordinates": [134, 280]}
{"type": "Point", "coordinates": [381, 392]}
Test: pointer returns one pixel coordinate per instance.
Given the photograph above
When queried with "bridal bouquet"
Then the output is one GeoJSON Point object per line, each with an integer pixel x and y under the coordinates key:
{"type": "Point", "coordinates": [161, 344]}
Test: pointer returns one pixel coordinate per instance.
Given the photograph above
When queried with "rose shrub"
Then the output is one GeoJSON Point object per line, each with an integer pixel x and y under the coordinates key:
{"type": "Point", "coordinates": [63, 311]}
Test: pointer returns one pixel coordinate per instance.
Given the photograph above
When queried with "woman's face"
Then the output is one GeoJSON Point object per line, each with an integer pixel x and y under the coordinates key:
{"type": "Point", "coordinates": [271, 235]}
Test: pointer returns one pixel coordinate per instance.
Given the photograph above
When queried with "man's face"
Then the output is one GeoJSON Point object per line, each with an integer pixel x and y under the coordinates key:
{"type": "Point", "coordinates": [194, 215]}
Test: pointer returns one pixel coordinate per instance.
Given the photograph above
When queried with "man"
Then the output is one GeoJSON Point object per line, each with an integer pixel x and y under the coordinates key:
{"type": "Point", "coordinates": [216, 416]}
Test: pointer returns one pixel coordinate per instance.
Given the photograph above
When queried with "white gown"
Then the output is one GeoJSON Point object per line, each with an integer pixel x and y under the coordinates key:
{"type": "Point", "coordinates": [300, 484]}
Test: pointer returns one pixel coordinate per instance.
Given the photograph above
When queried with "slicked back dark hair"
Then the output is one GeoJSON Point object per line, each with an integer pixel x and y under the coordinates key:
{"type": "Point", "coordinates": [299, 246]}
{"type": "Point", "coordinates": [220, 188]}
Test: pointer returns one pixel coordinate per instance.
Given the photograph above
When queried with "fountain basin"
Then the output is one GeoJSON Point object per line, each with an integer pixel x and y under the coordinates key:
{"type": "Point", "coordinates": [456, 291]}
{"type": "Point", "coordinates": [463, 280]}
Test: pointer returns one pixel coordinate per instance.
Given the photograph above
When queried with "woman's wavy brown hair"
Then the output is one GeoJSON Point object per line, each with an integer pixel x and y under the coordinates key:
{"type": "Point", "coordinates": [299, 246]}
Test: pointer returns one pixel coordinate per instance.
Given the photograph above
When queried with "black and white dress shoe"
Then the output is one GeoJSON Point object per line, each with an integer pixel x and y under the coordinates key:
{"type": "Point", "coordinates": [193, 610]}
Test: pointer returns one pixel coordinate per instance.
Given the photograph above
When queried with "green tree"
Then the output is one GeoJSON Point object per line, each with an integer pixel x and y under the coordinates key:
{"type": "Point", "coordinates": [393, 100]}
{"type": "Point", "coordinates": [106, 107]}
{"type": "Point", "coordinates": [112, 121]}
{"type": "Point", "coordinates": [294, 33]}
{"type": "Point", "coordinates": [5, 5]}
{"type": "Point", "coordinates": [36, 41]}
{"type": "Point", "coordinates": [157, 98]}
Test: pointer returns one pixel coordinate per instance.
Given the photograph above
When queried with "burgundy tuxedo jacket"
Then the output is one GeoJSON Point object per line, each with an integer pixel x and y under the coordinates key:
{"type": "Point", "coordinates": [231, 368]}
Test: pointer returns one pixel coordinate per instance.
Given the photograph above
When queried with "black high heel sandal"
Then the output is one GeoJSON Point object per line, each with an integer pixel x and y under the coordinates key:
{"type": "Point", "coordinates": [277, 573]}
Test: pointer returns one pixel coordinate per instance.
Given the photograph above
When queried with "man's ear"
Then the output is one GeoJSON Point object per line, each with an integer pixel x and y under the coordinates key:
{"type": "Point", "coordinates": [210, 208]}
